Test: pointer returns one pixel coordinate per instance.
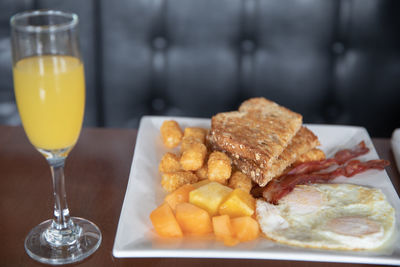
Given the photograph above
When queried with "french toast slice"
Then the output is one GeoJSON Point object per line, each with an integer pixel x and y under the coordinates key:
{"type": "Point", "coordinates": [258, 132]}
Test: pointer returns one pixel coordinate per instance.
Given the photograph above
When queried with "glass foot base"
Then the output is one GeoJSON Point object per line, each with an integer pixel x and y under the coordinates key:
{"type": "Point", "coordinates": [87, 241]}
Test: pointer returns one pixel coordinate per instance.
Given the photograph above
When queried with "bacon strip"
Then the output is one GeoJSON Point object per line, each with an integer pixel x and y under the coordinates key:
{"type": "Point", "coordinates": [340, 158]}
{"type": "Point", "coordinates": [282, 186]}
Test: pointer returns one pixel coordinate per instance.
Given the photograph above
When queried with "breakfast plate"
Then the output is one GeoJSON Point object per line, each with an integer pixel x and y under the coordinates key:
{"type": "Point", "coordinates": [135, 236]}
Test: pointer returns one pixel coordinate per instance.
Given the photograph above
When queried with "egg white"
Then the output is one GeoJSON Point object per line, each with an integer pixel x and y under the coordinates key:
{"type": "Point", "coordinates": [329, 216]}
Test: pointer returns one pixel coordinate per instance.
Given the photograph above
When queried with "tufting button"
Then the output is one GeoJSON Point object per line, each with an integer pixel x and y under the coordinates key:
{"type": "Point", "coordinates": [158, 104]}
{"type": "Point", "coordinates": [338, 48]}
{"type": "Point", "coordinates": [248, 46]}
{"type": "Point", "coordinates": [159, 43]}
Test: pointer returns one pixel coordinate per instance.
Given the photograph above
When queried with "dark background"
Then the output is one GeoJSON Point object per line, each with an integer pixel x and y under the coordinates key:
{"type": "Point", "coordinates": [334, 61]}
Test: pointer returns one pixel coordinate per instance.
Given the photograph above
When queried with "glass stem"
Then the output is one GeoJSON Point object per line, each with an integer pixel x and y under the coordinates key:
{"type": "Point", "coordinates": [61, 212]}
{"type": "Point", "coordinates": [62, 231]}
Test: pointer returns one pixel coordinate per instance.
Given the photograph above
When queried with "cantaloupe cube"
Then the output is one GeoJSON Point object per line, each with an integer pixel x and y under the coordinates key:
{"type": "Point", "coordinates": [222, 227]}
{"type": "Point", "coordinates": [245, 228]}
{"type": "Point", "coordinates": [223, 230]}
{"type": "Point", "coordinates": [209, 196]}
{"type": "Point", "coordinates": [201, 183]}
{"type": "Point", "coordinates": [238, 203]}
{"type": "Point", "coordinates": [192, 219]}
{"type": "Point", "coordinates": [164, 221]}
{"type": "Point", "coordinates": [180, 195]}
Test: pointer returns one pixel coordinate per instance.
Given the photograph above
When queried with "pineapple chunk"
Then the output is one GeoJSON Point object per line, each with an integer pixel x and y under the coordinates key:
{"type": "Point", "coordinates": [238, 203]}
{"type": "Point", "coordinates": [209, 196]}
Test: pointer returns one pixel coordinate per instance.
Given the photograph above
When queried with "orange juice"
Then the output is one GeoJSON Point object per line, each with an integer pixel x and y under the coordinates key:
{"type": "Point", "coordinates": [50, 95]}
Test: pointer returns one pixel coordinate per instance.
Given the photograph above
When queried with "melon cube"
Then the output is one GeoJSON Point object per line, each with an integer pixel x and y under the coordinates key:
{"type": "Point", "coordinates": [238, 203]}
{"type": "Point", "coordinates": [245, 228]}
{"type": "Point", "coordinates": [223, 230]}
{"type": "Point", "coordinates": [209, 196]}
{"type": "Point", "coordinates": [180, 195]}
{"type": "Point", "coordinates": [192, 219]}
{"type": "Point", "coordinates": [164, 221]}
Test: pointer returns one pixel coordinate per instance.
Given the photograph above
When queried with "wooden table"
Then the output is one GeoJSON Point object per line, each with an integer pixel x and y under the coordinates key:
{"type": "Point", "coordinates": [97, 173]}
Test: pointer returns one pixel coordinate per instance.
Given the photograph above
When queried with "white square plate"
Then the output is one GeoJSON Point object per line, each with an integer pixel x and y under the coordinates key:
{"type": "Point", "coordinates": [396, 146]}
{"type": "Point", "coordinates": [136, 238]}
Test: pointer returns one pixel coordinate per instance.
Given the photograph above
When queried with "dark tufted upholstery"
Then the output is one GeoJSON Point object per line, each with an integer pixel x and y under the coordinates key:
{"type": "Point", "coordinates": [334, 61]}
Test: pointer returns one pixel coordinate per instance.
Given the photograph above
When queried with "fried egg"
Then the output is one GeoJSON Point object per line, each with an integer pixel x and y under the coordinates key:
{"type": "Point", "coordinates": [329, 216]}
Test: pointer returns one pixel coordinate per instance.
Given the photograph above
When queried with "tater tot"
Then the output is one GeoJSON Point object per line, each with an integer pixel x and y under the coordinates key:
{"type": "Point", "coordinates": [240, 180]}
{"type": "Point", "coordinates": [219, 167]}
{"type": "Point", "coordinates": [312, 155]}
{"type": "Point", "coordinates": [169, 163]}
{"type": "Point", "coordinates": [187, 142]}
{"type": "Point", "coordinates": [196, 133]}
{"type": "Point", "coordinates": [193, 157]}
{"type": "Point", "coordinates": [173, 180]}
{"type": "Point", "coordinates": [202, 172]}
{"type": "Point", "coordinates": [171, 133]}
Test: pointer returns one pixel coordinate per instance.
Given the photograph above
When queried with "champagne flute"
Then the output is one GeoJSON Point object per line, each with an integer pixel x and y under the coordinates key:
{"type": "Point", "coordinates": [49, 89]}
